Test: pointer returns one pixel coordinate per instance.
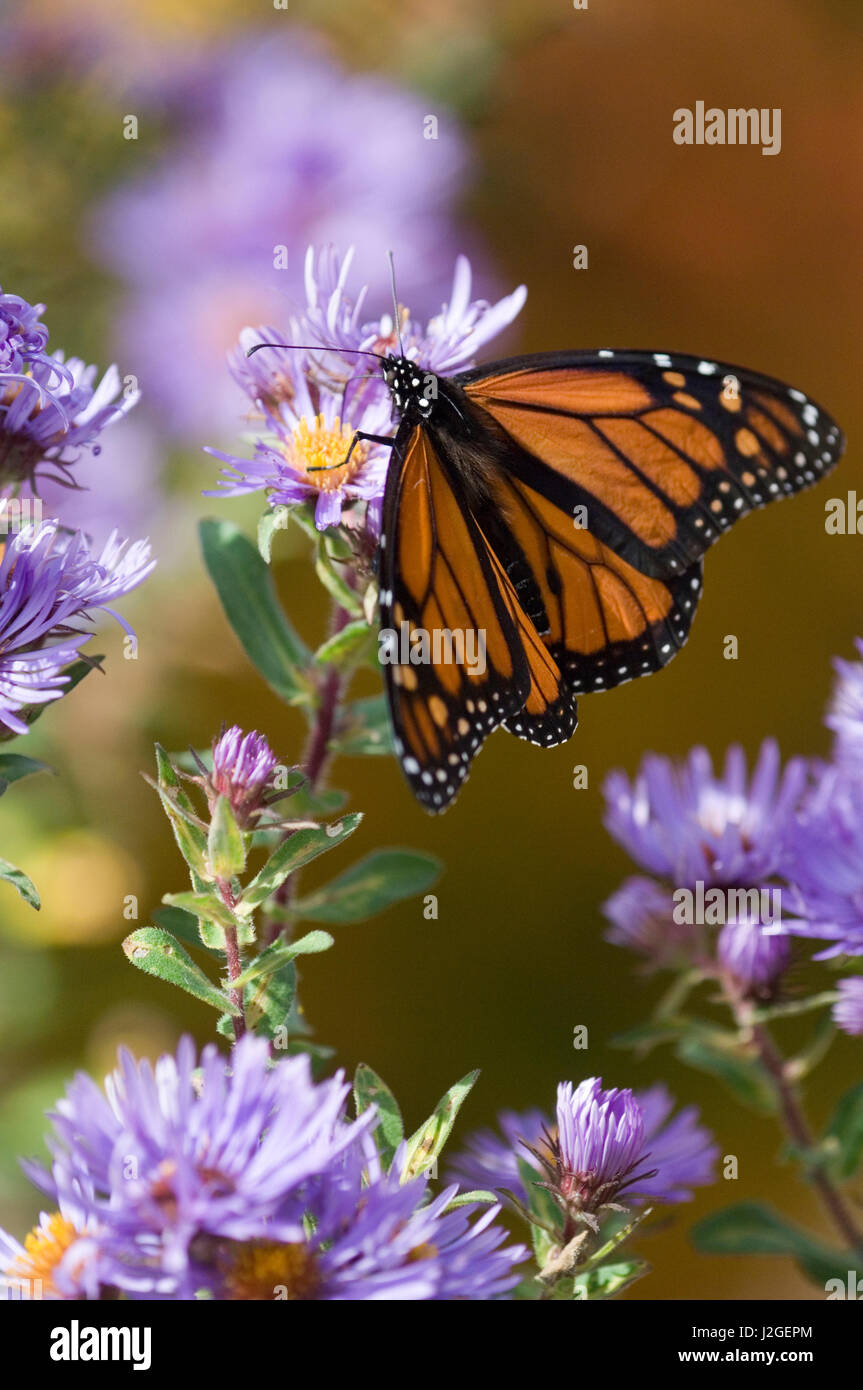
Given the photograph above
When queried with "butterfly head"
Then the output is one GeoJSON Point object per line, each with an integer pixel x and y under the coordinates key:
{"type": "Point", "coordinates": [413, 389]}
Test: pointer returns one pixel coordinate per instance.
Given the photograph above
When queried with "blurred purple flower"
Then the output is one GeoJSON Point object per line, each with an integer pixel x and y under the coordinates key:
{"type": "Point", "coordinates": [601, 1128]}
{"type": "Point", "coordinates": [681, 1150]}
{"type": "Point", "coordinates": [379, 1240]}
{"type": "Point", "coordinates": [845, 715]}
{"type": "Point", "coordinates": [116, 486]}
{"type": "Point", "coordinates": [641, 917]}
{"type": "Point", "coordinates": [848, 1009]}
{"type": "Point", "coordinates": [490, 1159]}
{"type": "Point", "coordinates": [289, 148]}
{"type": "Point", "coordinates": [754, 958]}
{"type": "Point", "coordinates": [685, 823]}
{"type": "Point", "coordinates": [50, 581]}
{"type": "Point", "coordinates": [827, 859]}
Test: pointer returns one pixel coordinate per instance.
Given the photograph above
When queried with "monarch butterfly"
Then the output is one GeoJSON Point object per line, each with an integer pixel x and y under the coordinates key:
{"type": "Point", "coordinates": [560, 505]}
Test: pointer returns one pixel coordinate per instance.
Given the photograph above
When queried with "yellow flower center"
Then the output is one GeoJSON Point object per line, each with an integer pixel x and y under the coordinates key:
{"type": "Point", "coordinates": [422, 1252]}
{"type": "Point", "coordinates": [45, 1247]}
{"type": "Point", "coordinates": [325, 447]}
{"type": "Point", "coordinates": [266, 1270]}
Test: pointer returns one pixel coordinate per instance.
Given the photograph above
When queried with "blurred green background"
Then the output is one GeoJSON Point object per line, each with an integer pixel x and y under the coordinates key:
{"type": "Point", "coordinates": [567, 116]}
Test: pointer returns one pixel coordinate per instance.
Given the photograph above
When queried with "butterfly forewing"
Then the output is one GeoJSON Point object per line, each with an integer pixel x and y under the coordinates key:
{"type": "Point", "coordinates": [655, 454]}
{"type": "Point", "coordinates": [438, 578]}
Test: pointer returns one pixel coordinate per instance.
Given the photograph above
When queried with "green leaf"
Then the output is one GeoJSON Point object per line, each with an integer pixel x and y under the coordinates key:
{"type": "Point", "coordinates": [273, 520]}
{"type": "Point", "coordinates": [248, 596]}
{"type": "Point", "coordinates": [347, 645]}
{"type": "Point", "coordinates": [365, 729]}
{"type": "Point", "coordinates": [306, 805]}
{"type": "Point", "coordinates": [268, 1002]}
{"type": "Point", "coordinates": [539, 1200]}
{"type": "Point", "coordinates": [742, 1076]}
{"type": "Point", "coordinates": [754, 1228]}
{"type": "Point", "coordinates": [384, 877]}
{"type": "Point", "coordinates": [605, 1281]}
{"type": "Point", "coordinates": [280, 953]}
{"type": "Point", "coordinates": [845, 1132]}
{"type": "Point", "coordinates": [158, 953]}
{"type": "Point", "coordinates": [369, 1089]}
{"type": "Point", "coordinates": [478, 1194]}
{"type": "Point", "coordinates": [299, 849]}
{"type": "Point", "coordinates": [545, 1217]}
{"type": "Point", "coordinates": [206, 906]}
{"type": "Point", "coordinates": [19, 880]}
{"type": "Point", "coordinates": [334, 583]}
{"type": "Point", "coordinates": [226, 848]}
{"type": "Point", "coordinates": [190, 838]}
{"type": "Point", "coordinates": [426, 1143]}
{"type": "Point", "coordinates": [14, 766]}
{"type": "Point", "coordinates": [184, 925]}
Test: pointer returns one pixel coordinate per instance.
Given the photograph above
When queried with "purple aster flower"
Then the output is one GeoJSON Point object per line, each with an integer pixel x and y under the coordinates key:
{"type": "Point", "coordinates": [116, 487]}
{"type": "Point", "coordinates": [848, 1009]}
{"type": "Point", "coordinates": [597, 1151]}
{"type": "Point", "coordinates": [753, 957]}
{"type": "Point", "coordinates": [826, 854]}
{"type": "Point", "coordinates": [179, 1158]}
{"type": "Point", "coordinates": [287, 148]}
{"type": "Point", "coordinates": [23, 340]}
{"type": "Point", "coordinates": [378, 1239]}
{"type": "Point", "coordinates": [243, 766]}
{"type": "Point", "coordinates": [687, 824]}
{"type": "Point", "coordinates": [312, 402]}
{"type": "Point", "coordinates": [302, 458]}
{"type": "Point", "coordinates": [681, 1150]}
{"type": "Point", "coordinates": [50, 409]}
{"type": "Point", "coordinates": [674, 1152]}
{"type": "Point", "coordinates": [641, 917]}
{"type": "Point", "coordinates": [50, 583]}
{"type": "Point", "coordinates": [490, 1159]}
{"type": "Point", "coordinates": [448, 343]}
{"type": "Point", "coordinates": [845, 715]}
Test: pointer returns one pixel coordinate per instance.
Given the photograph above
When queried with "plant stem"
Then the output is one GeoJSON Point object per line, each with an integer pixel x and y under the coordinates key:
{"type": "Point", "coordinates": [232, 955]}
{"type": "Point", "coordinates": [795, 1121]}
{"type": "Point", "coordinates": [232, 959]}
{"type": "Point", "coordinates": [315, 759]}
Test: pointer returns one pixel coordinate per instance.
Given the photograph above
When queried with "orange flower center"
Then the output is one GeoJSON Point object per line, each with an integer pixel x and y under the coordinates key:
{"type": "Point", "coordinates": [44, 1248]}
{"type": "Point", "coordinates": [266, 1270]}
{"type": "Point", "coordinates": [320, 446]}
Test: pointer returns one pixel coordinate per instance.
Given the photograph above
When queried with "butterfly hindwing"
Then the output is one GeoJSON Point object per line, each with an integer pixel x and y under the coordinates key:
{"type": "Point", "coordinates": [605, 622]}
{"type": "Point", "coordinates": [657, 454]}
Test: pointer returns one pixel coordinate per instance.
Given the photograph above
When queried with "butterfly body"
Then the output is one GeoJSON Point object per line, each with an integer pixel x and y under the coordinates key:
{"type": "Point", "coordinates": [560, 506]}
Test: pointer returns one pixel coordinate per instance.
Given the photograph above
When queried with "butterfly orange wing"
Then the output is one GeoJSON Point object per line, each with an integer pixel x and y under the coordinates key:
{"type": "Point", "coordinates": [660, 454]}
{"type": "Point", "coordinates": [438, 577]}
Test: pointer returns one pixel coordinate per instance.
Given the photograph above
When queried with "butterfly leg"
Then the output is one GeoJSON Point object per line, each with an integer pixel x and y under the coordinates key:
{"type": "Point", "coordinates": [359, 436]}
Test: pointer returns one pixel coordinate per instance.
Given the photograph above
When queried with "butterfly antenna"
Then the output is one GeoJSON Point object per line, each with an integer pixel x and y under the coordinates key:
{"type": "Point", "coordinates": [312, 347]}
{"type": "Point", "coordinates": [396, 319]}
